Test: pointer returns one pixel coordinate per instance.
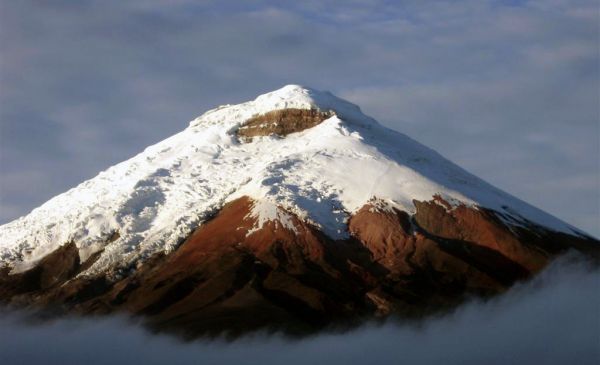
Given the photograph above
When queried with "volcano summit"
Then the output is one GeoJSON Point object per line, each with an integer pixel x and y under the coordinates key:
{"type": "Point", "coordinates": [294, 210]}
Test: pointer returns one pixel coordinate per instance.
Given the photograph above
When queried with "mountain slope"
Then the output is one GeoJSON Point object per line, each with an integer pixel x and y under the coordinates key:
{"type": "Point", "coordinates": [295, 203]}
{"type": "Point", "coordinates": [322, 174]}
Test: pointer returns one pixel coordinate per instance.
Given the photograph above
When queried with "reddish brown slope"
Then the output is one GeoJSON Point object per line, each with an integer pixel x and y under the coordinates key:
{"type": "Point", "coordinates": [228, 276]}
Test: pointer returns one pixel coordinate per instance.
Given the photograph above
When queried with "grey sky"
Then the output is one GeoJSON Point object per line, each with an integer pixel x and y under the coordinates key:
{"type": "Point", "coordinates": [507, 89]}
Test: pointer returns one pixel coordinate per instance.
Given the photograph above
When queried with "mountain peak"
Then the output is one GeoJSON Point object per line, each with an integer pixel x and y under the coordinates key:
{"type": "Point", "coordinates": [291, 208]}
{"type": "Point", "coordinates": [294, 92]}
{"type": "Point", "coordinates": [288, 97]}
{"type": "Point", "coordinates": [332, 161]}
{"type": "Point", "coordinates": [301, 97]}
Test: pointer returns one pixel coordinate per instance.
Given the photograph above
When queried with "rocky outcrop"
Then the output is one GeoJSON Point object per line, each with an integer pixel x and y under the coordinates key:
{"type": "Point", "coordinates": [53, 269]}
{"type": "Point", "coordinates": [281, 122]}
{"type": "Point", "coordinates": [233, 276]}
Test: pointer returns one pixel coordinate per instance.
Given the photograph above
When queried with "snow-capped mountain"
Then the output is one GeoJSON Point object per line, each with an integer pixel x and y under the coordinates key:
{"type": "Point", "coordinates": [308, 168]}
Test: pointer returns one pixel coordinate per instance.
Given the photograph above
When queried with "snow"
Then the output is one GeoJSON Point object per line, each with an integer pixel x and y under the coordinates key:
{"type": "Point", "coordinates": [322, 174]}
{"type": "Point", "coordinates": [264, 211]}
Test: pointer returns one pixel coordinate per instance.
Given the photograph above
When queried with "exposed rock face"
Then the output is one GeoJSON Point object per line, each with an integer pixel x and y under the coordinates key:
{"type": "Point", "coordinates": [282, 122]}
{"type": "Point", "coordinates": [231, 275]}
{"type": "Point", "coordinates": [54, 269]}
{"type": "Point", "coordinates": [428, 271]}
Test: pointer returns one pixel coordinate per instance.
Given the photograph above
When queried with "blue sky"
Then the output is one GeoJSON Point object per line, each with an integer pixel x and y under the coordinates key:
{"type": "Point", "coordinates": [507, 89]}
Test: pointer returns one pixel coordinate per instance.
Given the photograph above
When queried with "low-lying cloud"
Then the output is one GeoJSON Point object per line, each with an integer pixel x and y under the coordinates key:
{"type": "Point", "coordinates": [554, 319]}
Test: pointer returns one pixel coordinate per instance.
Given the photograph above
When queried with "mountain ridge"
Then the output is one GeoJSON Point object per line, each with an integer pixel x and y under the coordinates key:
{"type": "Point", "coordinates": [294, 208]}
{"type": "Point", "coordinates": [145, 186]}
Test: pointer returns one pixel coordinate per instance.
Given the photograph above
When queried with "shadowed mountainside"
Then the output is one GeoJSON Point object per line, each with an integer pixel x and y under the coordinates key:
{"type": "Point", "coordinates": [230, 277]}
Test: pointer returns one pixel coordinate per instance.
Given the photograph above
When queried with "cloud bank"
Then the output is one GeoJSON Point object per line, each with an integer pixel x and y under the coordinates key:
{"type": "Point", "coordinates": [507, 89]}
{"type": "Point", "coordinates": [553, 319]}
